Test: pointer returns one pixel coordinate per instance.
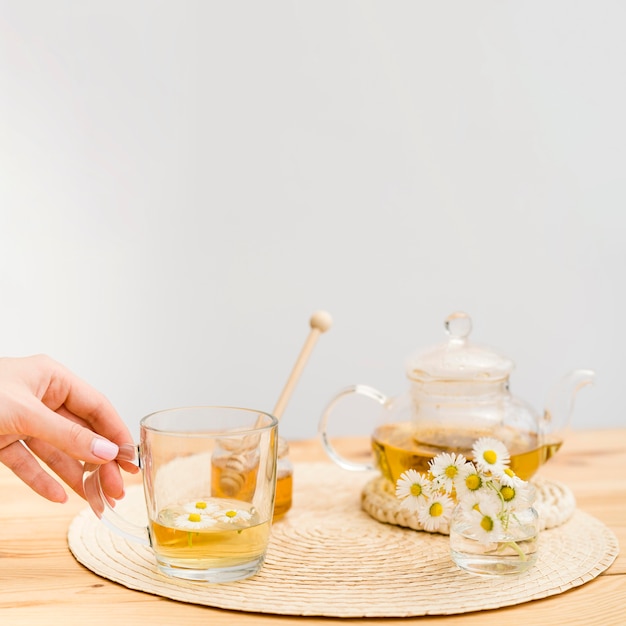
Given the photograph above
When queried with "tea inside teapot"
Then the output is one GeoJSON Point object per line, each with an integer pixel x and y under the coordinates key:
{"type": "Point", "coordinates": [401, 446]}
{"type": "Point", "coordinates": [459, 392]}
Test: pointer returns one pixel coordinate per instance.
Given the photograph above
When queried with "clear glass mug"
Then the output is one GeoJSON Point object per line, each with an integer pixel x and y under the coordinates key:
{"type": "Point", "coordinates": [209, 481]}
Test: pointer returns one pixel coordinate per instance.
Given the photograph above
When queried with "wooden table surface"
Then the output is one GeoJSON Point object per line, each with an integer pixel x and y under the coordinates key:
{"type": "Point", "coordinates": [41, 582]}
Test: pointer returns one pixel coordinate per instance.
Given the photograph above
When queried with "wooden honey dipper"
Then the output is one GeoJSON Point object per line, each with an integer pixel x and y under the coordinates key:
{"type": "Point", "coordinates": [232, 478]}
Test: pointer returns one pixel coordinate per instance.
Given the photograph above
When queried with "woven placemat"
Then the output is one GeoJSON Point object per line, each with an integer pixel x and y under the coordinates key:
{"type": "Point", "coordinates": [555, 504]}
{"type": "Point", "coordinates": [330, 558]}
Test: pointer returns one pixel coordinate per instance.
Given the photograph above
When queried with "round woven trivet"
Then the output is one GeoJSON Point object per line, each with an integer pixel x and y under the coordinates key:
{"type": "Point", "coordinates": [555, 504]}
{"type": "Point", "coordinates": [329, 558]}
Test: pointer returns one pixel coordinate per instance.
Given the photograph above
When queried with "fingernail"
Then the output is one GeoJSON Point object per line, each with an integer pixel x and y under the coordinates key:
{"type": "Point", "coordinates": [104, 449]}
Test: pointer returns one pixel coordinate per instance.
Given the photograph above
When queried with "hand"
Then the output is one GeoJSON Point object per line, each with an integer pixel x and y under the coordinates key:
{"type": "Point", "coordinates": [48, 412]}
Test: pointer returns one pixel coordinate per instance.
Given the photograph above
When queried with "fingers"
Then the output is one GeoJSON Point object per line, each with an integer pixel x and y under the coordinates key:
{"type": "Point", "coordinates": [62, 442]}
{"type": "Point", "coordinates": [68, 469]}
{"type": "Point", "coordinates": [63, 421]}
{"type": "Point", "coordinates": [17, 458]}
{"type": "Point", "coordinates": [112, 481]}
{"type": "Point", "coordinates": [34, 388]}
{"type": "Point", "coordinates": [66, 389]}
{"type": "Point", "coordinates": [126, 452]}
{"type": "Point", "coordinates": [71, 471]}
{"type": "Point", "coordinates": [37, 421]}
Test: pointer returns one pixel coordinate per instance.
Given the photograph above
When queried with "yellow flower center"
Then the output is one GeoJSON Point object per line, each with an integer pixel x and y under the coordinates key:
{"type": "Point", "coordinates": [194, 517]}
{"type": "Point", "coordinates": [200, 505]}
{"type": "Point", "coordinates": [451, 471]}
{"type": "Point", "coordinates": [486, 523]}
{"type": "Point", "coordinates": [230, 513]}
{"type": "Point", "coordinates": [490, 456]}
{"type": "Point", "coordinates": [416, 489]}
{"type": "Point", "coordinates": [508, 493]}
{"type": "Point", "coordinates": [473, 482]}
{"type": "Point", "coordinates": [436, 509]}
{"type": "Point", "coordinates": [509, 472]}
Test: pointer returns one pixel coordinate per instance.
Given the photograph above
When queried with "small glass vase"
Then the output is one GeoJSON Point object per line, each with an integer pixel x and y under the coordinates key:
{"type": "Point", "coordinates": [513, 553]}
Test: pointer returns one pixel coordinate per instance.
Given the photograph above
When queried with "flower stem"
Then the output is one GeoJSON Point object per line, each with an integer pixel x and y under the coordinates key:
{"type": "Point", "coordinates": [513, 545]}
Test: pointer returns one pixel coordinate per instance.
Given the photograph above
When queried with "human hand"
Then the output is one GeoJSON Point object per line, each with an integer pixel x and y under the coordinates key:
{"type": "Point", "coordinates": [47, 411]}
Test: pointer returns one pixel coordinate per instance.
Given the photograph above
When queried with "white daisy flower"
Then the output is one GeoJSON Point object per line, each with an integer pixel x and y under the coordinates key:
{"type": "Point", "coordinates": [436, 513]}
{"type": "Point", "coordinates": [469, 482]}
{"type": "Point", "coordinates": [204, 507]}
{"type": "Point", "coordinates": [413, 488]}
{"type": "Point", "coordinates": [470, 501]}
{"type": "Point", "coordinates": [490, 455]}
{"type": "Point", "coordinates": [193, 521]}
{"type": "Point", "coordinates": [445, 468]}
{"type": "Point", "coordinates": [486, 526]}
{"type": "Point", "coordinates": [510, 478]}
{"type": "Point", "coordinates": [489, 500]}
{"type": "Point", "coordinates": [514, 498]}
{"type": "Point", "coordinates": [232, 516]}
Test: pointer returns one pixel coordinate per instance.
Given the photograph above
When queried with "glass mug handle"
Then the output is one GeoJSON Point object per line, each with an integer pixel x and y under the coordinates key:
{"type": "Point", "coordinates": [363, 390]}
{"type": "Point", "coordinates": [101, 505]}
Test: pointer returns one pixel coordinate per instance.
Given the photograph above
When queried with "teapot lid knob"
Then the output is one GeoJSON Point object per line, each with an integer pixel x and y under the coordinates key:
{"type": "Point", "coordinates": [458, 325]}
{"type": "Point", "coordinates": [458, 359]}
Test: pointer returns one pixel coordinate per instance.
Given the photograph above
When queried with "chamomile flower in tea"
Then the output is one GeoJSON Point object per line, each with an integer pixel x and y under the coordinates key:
{"type": "Point", "coordinates": [193, 521]}
{"type": "Point", "coordinates": [233, 516]}
{"type": "Point", "coordinates": [201, 506]}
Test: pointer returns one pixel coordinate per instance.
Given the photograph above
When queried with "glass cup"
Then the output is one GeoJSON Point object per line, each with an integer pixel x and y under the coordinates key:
{"type": "Point", "coordinates": [513, 552]}
{"type": "Point", "coordinates": [209, 480]}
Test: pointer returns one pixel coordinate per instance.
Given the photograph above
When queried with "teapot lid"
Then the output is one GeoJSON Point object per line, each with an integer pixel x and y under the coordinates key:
{"type": "Point", "coordinates": [458, 359]}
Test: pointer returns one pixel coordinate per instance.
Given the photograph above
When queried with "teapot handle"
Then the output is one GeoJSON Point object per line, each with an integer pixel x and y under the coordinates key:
{"type": "Point", "coordinates": [363, 390]}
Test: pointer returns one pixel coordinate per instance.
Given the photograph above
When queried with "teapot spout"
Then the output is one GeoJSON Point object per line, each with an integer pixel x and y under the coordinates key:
{"type": "Point", "coordinates": [560, 405]}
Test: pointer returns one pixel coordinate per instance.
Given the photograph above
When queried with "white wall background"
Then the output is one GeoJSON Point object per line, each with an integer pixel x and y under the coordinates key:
{"type": "Point", "coordinates": [182, 183]}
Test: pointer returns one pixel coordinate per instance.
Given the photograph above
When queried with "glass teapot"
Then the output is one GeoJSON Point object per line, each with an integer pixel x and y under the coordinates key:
{"type": "Point", "coordinates": [459, 392]}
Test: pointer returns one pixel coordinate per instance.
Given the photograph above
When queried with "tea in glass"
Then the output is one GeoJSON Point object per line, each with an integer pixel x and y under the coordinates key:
{"type": "Point", "coordinates": [209, 481]}
{"type": "Point", "coordinates": [209, 533]}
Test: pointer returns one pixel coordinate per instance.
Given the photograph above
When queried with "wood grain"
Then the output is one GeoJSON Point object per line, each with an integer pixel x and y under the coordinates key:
{"type": "Point", "coordinates": [41, 582]}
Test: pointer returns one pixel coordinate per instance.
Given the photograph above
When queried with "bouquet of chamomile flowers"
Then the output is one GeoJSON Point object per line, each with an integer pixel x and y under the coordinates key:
{"type": "Point", "coordinates": [486, 491]}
